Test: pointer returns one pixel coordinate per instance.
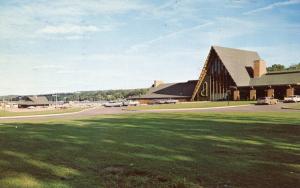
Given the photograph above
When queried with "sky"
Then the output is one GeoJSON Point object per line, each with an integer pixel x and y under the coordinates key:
{"type": "Point", "coordinates": [64, 46]}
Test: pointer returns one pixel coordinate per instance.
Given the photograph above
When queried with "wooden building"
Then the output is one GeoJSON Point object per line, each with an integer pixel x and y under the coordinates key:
{"type": "Point", "coordinates": [34, 101]}
{"type": "Point", "coordinates": [229, 74]}
{"type": "Point", "coordinates": [180, 91]}
{"type": "Point", "coordinates": [242, 75]}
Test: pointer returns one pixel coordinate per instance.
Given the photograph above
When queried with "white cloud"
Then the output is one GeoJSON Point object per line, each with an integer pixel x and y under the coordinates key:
{"type": "Point", "coordinates": [75, 37]}
{"type": "Point", "coordinates": [273, 5]}
{"type": "Point", "coordinates": [87, 7]}
{"type": "Point", "coordinates": [62, 17]}
{"type": "Point", "coordinates": [146, 44]}
{"type": "Point", "coordinates": [47, 67]}
{"type": "Point", "coordinates": [211, 32]}
{"type": "Point", "coordinates": [70, 29]}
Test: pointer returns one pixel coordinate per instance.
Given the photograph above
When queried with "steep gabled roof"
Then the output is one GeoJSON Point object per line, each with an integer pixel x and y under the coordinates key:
{"type": "Point", "coordinates": [236, 61]}
{"type": "Point", "coordinates": [39, 99]}
{"type": "Point", "coordinates": [170, 90]}
{"type": "Point", "coordinates": [34, 100]}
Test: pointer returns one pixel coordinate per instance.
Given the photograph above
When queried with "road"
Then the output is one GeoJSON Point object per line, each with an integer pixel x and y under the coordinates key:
{"type": "Point", "coordinates": [120, 110]}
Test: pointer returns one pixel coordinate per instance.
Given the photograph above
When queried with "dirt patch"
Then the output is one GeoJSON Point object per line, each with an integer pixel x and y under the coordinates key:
{"type": "Point", "coordinates": [128, 176]}
{"type": "Point", "coordinates": [135, 172]}
{"type": "Point", "coordinates": [114, 170]}
{"type": "Point", "coordinates": [128, 171]}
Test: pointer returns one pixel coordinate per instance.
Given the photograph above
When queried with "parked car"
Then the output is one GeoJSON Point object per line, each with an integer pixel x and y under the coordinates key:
{"type": "Point", "coordinates": [267, 100]}
{"type": "Point", "coordinates": [171, 101]}
{"type": "Point", "coordinates": [164, 101]}
{"type": "Point", "coordinates": [113, 104]}
{"type": "Point", "coordinates": [131, 103]}
{"type": "Point", "coordinates": [294, 98]}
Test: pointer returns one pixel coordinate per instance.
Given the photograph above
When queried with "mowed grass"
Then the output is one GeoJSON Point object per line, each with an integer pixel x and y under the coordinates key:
{"type": "Point", "coordinates": [190, 105]}
{"type": "Point", "coordinates": [154, 150]}
{"type": "Point", "coordinates": [5, 113]}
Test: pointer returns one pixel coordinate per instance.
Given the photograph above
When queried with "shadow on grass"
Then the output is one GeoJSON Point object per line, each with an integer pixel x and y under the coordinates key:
{"type": "Point", "coordinates": [153, 150]}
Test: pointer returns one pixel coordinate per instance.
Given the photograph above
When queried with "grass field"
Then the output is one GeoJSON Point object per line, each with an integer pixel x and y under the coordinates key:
{"type": "Point", "coordinates": [154, 150]}
{"type": "Point", "coordinates": [190, 105]}
{"type": "Point", "coordinates": [53, 111]}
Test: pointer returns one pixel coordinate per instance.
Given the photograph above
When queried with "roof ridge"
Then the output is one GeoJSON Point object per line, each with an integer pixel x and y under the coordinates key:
{"type": "Point", "coordinates": [178, 82]}
{"type": "Point", "coordinates": [237, 49]}
{"type": "Point", "coordinates": [283, 72]}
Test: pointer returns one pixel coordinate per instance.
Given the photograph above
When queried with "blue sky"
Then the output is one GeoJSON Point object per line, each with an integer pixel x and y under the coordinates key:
{"type": "Point", "coordinates": [62, 45]}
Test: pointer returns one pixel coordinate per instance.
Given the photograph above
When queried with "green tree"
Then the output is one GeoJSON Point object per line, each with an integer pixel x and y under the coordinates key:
{"type": "Point", "coordinates": [294, 67]}
{"type": "Point", "coordinates": [276, 67]}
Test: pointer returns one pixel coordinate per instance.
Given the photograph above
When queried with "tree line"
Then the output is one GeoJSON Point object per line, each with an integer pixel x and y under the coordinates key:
{"type": "Point", "coordinates": [102, 95]}
{"type": "Point", "coordinates": [280, 67]}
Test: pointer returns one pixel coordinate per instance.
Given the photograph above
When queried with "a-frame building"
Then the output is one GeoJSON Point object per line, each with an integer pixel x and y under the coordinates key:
{"type": "Point", "coordinates": [241, 75]}
{"type": "Point", "coordinates": [228, 74]}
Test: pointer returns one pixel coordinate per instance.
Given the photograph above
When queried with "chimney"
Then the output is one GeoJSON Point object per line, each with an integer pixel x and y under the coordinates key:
{"type": "Point", "coordinates": [157, 83]}
{"type": "Point", "coordinates": [259, 68]}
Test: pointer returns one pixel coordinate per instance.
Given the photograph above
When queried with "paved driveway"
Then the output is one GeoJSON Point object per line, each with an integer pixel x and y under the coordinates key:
{"type": "Point", "coordinates": [120, 110]}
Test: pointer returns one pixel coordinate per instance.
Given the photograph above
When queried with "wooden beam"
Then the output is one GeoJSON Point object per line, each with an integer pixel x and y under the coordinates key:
{"type": "Point", "coordinates": [202, 76]}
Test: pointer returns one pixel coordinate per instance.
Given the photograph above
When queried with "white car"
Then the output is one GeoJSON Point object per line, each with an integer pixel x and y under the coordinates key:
{"type": "Point", "coordinates": [131, 103]}
{"type": "Point", "coordinates": [167, 101]}
{"type": "Point", "coordinates": [113, 104]}
{"type": "Point", "coordinates": [171, 101]}
{"type": "Point", "coordinates": [267, 100]}
{"type": "Point", "coordinates": [294, 98]}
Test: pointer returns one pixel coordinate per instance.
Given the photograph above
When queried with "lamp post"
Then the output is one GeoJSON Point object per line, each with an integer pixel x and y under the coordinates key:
{"type": "Point", "coordinates": [55, 99]}
{"type": "Point", "coordinates": [4, 105]}
{"type": "Point", "coordinates": [78, 96]}
{"type": "Point", "coordinates": [228, 95]}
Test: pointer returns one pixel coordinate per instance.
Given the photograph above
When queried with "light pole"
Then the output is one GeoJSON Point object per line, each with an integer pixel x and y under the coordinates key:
{"type": "Point", "coordinates": [78, 92]}
{"type": "Point", "coordinates": [228, 95]}
{"type": "Point", "coordinates": [4, 105]}
{"type": "Point", "coordinates": [55, 99]}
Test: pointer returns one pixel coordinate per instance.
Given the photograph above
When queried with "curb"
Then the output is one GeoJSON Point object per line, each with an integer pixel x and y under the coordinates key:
{"type": "Point", "coordinates": [45, 115]}
{"type": "Point", "coordinates": [187, 109]}
{"type": "Point", "coordinates": [288, 108]}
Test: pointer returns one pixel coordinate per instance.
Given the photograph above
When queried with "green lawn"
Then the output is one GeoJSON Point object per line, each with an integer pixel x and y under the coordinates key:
{"type": "Point", "coordinates": [190, 105]}
{"type": "Point", "coordinates": [154, 150]}
{"type": "Point", "coordinates": [54, 111]}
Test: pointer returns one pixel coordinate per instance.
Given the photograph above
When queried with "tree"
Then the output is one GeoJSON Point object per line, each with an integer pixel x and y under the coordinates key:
{"type": "Point", "coordinates": [276, 67]}
{"type": "Point", "coordinates": [294, 67]}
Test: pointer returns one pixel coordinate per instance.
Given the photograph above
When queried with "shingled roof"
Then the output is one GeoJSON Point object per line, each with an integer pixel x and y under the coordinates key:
{"type": "Point", "coordinates": [39, 99]}
{"type": "Point", "coordinates": [170, 91]}
{"type": "Point", "coordinates": [236, 61]}
{"type": "Point", "coordinates": [277, 78]}
{"type": "Point", "coordinates": [34, 100]}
